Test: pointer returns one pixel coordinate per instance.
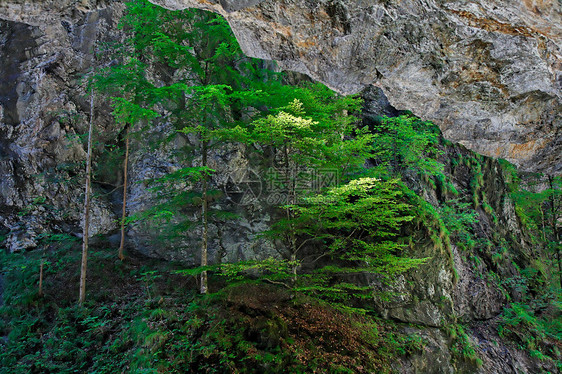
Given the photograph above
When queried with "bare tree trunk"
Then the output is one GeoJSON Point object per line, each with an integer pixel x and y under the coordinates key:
{"type": "Point", "coordinates": [542, 222]}
{"type": "Point", "coordinates": [41, 278]}
{"type": "Point", "coordinates": [558, 248]}
{"type": "Point", "coordinates": [290, 181]}
{"type": "Point", "coordinates": [85, 231]}
{"type": "Point", "coordinates": [554, 226]}
{"type": "Point", "coordinates": [205, 218]}
{"type": "Point", "coordinates": [124, 214]}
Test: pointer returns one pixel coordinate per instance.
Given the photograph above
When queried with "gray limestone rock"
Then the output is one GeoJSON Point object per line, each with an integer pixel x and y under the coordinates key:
{"type": "Point", "coordinates": [487, 72]}
{"type": "Point", "coordinates": [42, 111]}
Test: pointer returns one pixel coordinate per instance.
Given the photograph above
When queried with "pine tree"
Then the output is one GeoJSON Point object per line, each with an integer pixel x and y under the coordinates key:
{"type": "Point", "coordinates": [132, 97]}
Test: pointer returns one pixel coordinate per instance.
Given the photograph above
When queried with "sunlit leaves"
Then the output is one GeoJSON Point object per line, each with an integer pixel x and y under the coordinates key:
{"type": "Point", "coordinates": [360, 223]}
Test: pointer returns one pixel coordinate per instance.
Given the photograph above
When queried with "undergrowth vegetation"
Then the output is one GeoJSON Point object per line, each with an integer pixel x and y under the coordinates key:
{"type": "Point", "coordinates": [142, 318]}
{"type": "Point", "coordinates": [538, 335]}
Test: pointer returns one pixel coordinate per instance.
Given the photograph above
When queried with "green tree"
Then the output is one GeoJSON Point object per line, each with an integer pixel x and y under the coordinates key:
{"type": "Point", "coordinates": [357, 227]}
{"type": "Point", "coordinates": [208, 116]}
{"type": "Point", "coordinates": [203, 83]}
{"type": "Point", "coordinates": [210, 92]}
{"type": "Point", "coordinates": [406, 142]}
{"type": "Point", "coordinates": [132, 96]}
{"type": "Point", "coordinates": [302, 145]}
{"type": "Point", "coordinates": [126, 115]}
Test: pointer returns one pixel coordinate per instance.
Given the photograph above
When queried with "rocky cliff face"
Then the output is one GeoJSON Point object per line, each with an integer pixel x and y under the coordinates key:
{"type": "Point", "coordinates": [467, 280]}
{"type": "Point", "coordinates": [43, 107]}
{"type": "Point", "coordinates": [489, 77]}
{"type": "Point", "coordinates": [488, 72]}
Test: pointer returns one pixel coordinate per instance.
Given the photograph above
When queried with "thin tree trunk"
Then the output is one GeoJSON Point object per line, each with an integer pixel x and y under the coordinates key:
{"type": "Point", "coordinates": [558, 250]}
{"type": "Point", "coordinates": [294, 266]}
{"type": "Point", "coordinates": [124, 214]}
{"type": "Point", "coordinates": [85, 231]}
{"type": "Point", "coordinates": [557, 247]}
{"type": "Point", "coordinates": [554, 226]}
{"type": "Point", "coordinates": [290, 181]}
{"type": "Point", "coordinates": [41, 278]}
{"type": "Point", "coordinates": [542, 223]}
{"type": "Point", "coordinates": [294, 248]}
{"type": "Point", "coordinates": [205, 218]}
{"type": "Point", "coordinates": [556, 234]}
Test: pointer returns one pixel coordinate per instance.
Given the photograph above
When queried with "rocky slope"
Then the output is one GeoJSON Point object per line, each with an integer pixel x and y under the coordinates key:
{"type": "Point", "coordinates": [42, 109]}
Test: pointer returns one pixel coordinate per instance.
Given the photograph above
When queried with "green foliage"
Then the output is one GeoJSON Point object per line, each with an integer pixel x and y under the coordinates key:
{"type": "Point", "coordinates": [461, 346]}
{"type": "Point", "coordinates": [406, 142]}
{"type": "Point", "coordinates": [320, 223]}
{"type": "Point", "coordinates": [512, 177]}
{"type": "Point", "coordinates": [210, 96]}
{"type": "Point", "coordinates": [315, 133]}
{"type": "Point", "coordinates": [538, 335]}
{"type": "Point", "coordinates": [350, 230]}
{"type": "Point", "coordinates": [126, 112]}
{"type": "Point", "coordinates": [255, 328]}
{"type": "Point", "coordinates": [270, 269]}
{"type": "Point", "coordinates": [209, 90]}
{"type": "Point", "coordinates": [533, 207]}
{"type": "Point", "coordinates": [139, 319]}
{"type": "Point", "coordinates": [357, 225]}
{"type": "Point", "coordinates": [52, 334]}
{"type": "Point", "coordinates": [428, 216]}
{"type": "Point", "coordinates": [458, 217]}
{"type": "Point", "coordinates": [538, 204]}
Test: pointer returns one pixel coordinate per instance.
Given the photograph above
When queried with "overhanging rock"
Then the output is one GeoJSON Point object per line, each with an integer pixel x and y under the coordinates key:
{"type": "Point", "coordinates": [487, 72]}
